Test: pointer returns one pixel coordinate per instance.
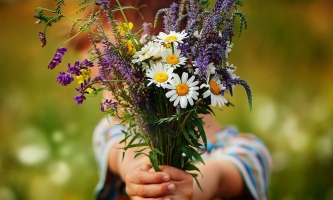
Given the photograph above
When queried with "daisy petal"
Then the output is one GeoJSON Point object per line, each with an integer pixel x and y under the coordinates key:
{"type": "Point", "coordinates": [184, 77]}
{"type": "Point", "coordinates": [170, 93]}
{"type": "Point", "coordinates": [176, 101]}
{"type": "Point", "coordinates": [183, 102]}
{"type": "Point", "coordinates": [173, 97]}
{"type": "Point", "coordinates": [190, 100]}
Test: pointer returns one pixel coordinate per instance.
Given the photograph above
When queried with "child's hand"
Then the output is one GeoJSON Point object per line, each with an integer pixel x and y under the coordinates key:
{"type": "Point", "coordinates": [171, 183]}
{"type": "Point", "coordinates": [143, 183]}
{"type": "Point", "coordinates": [182, 180]}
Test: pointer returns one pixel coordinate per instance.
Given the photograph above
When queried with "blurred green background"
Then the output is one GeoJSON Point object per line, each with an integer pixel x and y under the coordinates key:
{"type": "Point", "coordinates": [286, 55]}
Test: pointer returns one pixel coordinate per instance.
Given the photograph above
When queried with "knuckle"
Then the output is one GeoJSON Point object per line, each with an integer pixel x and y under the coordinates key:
{"type": "Point", "coordinates": [140, 177]}
{"type": "Point", "coordinates": [141, 191]}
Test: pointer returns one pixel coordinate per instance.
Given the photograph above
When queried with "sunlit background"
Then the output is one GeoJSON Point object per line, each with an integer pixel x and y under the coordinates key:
{"type": "Point", "coordinates": [286, 55]}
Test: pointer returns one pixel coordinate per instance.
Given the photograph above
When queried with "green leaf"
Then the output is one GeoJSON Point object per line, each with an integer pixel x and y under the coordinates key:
{"type": "Point", "coordinates": [131, 142]}
{"type": "Point", "coordinates": [195, 176]}
{"type": "Point", "coordinates": [187, 137]}
{"type": "Point", "coordinates": [136, 145]}
{"type": "Point", "coordinates": [140, 150]}
{"type": "Point", "coordinates": [191, 167]}
{"type": "Point", "coordinates": [159, 152]}
{"type": "Point", "coordinates": [196, 155]}
{"type": "Point", "coordinates": [154, 161]}
{"type": "Point", "coordinates": [202, 134]}
{"type": "Point", "coordinates": [137, 154]}
{"type": "Point", "coordinates": [126, 137]}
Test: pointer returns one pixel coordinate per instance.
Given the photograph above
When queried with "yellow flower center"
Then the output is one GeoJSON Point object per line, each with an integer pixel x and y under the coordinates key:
{"type": "Point", "coordinates": [172, 60]}
{"type": "Point", "coordinates": [182, 89]}
{"type": "Point", "coordinates": [171, 38]}
{"type": "Point", "coordinates": [214, 88]}
{"type": "Point", "coordinates": [161, 77]}
{"type": "Point", "coordinates": [168, 45]}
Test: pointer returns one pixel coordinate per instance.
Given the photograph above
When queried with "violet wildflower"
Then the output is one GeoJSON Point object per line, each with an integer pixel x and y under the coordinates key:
{"type": "Point", "coordinates": [62, 50]}
{"type": "Point", "coordinates": [108, 104]}
{"type": "Point", "coordinates": [42, 38]}
{"type": "Point", "coordinates": [174, 8]}
{"type": "Point", "coordinates": [106, 2]}
{"type": "Point", "coordinates": [79, 99]}
{"type": "Point", "coordinates": [57, 58]}
{"type": "Point", "coordinates": [64, 78]}
{"type": "Point", "coordinates": [77, 67]}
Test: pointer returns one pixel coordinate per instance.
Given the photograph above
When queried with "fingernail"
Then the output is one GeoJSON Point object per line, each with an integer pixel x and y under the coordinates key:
{"type": "Point", "coordinates": [166, 177]}
{"type": "Point", "coordinates": [171, 187]}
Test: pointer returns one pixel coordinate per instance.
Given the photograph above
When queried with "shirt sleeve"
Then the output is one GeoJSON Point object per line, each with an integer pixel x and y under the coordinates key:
{"type": "Point", "coordinates": [249, 154]}
{"type": "Point", "coordinates": [106, 134]}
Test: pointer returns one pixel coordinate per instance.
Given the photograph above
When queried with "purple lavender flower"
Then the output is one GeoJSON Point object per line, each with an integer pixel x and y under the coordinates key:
{"type": "Point", "coordinates": [62, 50]}
{"type": "Point", "coordinates": [192, 23]}
{"type": "Point", "coordinates": [42, 38]}
{"type": "Point", "coordinates": [108, 104]}
{"type": "Point", "coordinates": [222, 6]}
{"type": "Point", "coordinates": [75, 69]}
{"type": "Point", "coordinates": [103, 2]}
{"type": "Point", "coordinates": [64, 78]}
{"type": "Point", "coordinates": [57, 58]}
{"type": "Point", "coordinates": [174, 8]}
{"type": "Point", "coordinates": [79, 99]}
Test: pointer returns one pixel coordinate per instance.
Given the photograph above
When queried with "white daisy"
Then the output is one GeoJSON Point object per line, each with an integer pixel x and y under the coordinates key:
{"type": "Point", "coordinates": [215, 87]}
{"type": "Point", "coordinates": [174, 59]}
{"type": "Point", "coordinates": [151, 49]}
{"type": "Point", "coordinates": [182, 90]}
{"type": "Point", "coordinates": [159, 74]}
{"type": "Point", "coordinates": [173, 36]}
{"type": "Point", "coordinates": [210, 69]}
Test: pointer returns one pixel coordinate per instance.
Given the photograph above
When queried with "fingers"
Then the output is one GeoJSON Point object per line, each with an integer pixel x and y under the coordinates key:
{"type": "Point", "coordinates": [151, 190]}
{"type": "Point", "coordinates": [142, 175]}
{"type": "Point", "coordinates": [174, 173]}
{"type": "Point", "coordinates": [160, 198]}
{"type": "Point", "coordinates": [182, 180]}
{"type": "Point", "coordinates": [143, 183]}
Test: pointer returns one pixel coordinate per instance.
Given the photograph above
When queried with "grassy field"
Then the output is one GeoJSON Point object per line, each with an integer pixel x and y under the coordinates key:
{"type": "Point", "coordinates": [285, 55]}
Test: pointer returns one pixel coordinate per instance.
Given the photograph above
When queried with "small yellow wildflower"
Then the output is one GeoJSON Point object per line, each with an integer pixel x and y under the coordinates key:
{"type": "Point", "coordinates": [89, 90]}
{"type": "Point", "coordinates": [85, 74]}
{"type": "Point", "coordinates": [125, 27]}
{"type": "Point", "coordinates": [131, 50]}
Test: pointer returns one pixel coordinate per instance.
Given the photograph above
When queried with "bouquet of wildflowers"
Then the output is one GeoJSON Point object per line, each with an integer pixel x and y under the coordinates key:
{"type": "Point", "coordinates": [161, 83]}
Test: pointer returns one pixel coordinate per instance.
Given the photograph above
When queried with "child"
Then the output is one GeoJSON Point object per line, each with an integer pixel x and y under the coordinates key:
{"type": "Point", "coordinates": [237, 166]}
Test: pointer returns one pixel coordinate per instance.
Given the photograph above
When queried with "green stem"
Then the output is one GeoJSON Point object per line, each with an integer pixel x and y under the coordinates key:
{"type": "Point", "coordinates": [122, 12]}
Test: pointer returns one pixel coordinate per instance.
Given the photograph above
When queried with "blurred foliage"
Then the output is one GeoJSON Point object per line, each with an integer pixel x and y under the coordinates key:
{"type": "Point", "coordinates": [285, 55]}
